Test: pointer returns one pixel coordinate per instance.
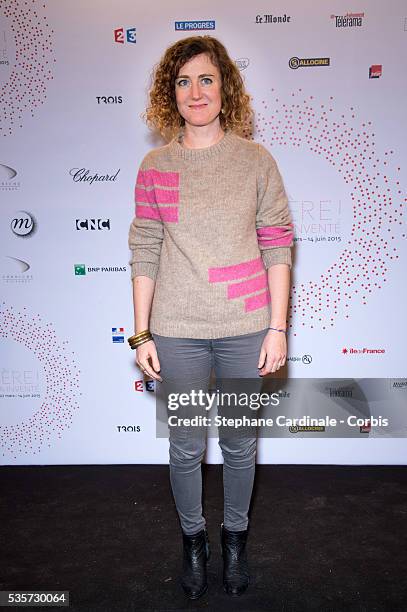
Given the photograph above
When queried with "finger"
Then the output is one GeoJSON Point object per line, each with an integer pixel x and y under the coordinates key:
{"type": "Point", "coordinates": [155, 360]}
{"type": "Point", "coordinates": [262, 358]}
{"type": "Point", "coordinates": [148, 370]}
{"type": "Point", "coordinates": [267, 368]}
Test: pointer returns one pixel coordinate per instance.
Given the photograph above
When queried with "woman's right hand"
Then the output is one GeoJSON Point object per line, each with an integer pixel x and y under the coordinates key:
{"type": "Point", "coordinates": [144, 353]}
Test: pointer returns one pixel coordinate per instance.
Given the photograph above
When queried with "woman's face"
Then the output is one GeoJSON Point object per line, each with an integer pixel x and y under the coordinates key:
{"type": "Point", "coordinates": [198, 91]}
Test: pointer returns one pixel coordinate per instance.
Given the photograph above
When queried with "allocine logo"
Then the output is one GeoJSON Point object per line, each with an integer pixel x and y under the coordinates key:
{"type": "Point", "coordinates": [308, 62]}
{"type": "Point", "coordinates": [306, 428]}
{"type": "Point", "coordinates": [273, 18]}
{"type": "Point", "coordinates": [82, 270]}
{"type": "Point", "coordinates": [188, 26]}
{"type": "Point", "coordinates": [350, 20]}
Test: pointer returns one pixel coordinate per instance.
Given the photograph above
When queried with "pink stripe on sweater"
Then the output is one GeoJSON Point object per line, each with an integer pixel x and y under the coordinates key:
{"type": "Point", "coordinates": [247, 286]}
{"type": "Point", "coordinates": [247, 268]}
{"type": "Point", "coordinates": [157, 196]}
{"type": "Point", "coordinates": [257, 301]}
{"type": "Point", "coordinates": [147, 212]}
{"type": "Point", "coordinates": [154, 177]}
{"type": "Point", "coordinates": [270, 242]}
{"type": "Point", "coordinates": [281, 235]}
{"type": "Point", "coordinates": [169, 213]}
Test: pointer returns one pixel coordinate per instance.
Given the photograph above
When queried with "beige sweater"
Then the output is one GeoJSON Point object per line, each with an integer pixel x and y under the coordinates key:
{"type": "Point", "coordinates": [208, 223]}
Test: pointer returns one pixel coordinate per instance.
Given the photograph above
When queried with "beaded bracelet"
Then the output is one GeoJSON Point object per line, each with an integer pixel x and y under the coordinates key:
{"type": "Point", "coordinates": [284, 331]}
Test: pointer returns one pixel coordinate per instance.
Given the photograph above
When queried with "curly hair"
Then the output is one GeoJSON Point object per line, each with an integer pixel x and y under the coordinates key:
{"type": "Point", "coordinates": [162, 112]}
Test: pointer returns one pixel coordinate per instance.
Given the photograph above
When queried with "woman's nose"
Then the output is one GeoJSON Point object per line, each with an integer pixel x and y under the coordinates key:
{"type": "Point", "coordinates": [195, 90]}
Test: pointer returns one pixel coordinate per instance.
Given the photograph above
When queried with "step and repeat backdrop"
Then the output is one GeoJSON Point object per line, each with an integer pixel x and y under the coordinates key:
{"type": "Point", "coordinates": [329, 92]}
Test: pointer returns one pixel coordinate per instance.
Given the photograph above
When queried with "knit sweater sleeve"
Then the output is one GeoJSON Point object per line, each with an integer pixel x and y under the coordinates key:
{"type": "Point", "coordinates": [146, 229]}
{"type": "Point", "coordinates": [273, 220]}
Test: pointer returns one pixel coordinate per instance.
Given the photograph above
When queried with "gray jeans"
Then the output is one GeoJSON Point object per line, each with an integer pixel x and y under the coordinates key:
{"type": "Point", "coordinates": [189, 361]}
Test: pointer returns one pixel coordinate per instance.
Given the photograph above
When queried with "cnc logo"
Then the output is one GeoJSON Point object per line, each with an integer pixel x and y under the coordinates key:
{"type": "Point", "coordinates": [190, 26]}
{"type": "Point", "coordinates": [109, 99]}
{"type": "Point", "coordinates": [92, 224]}
{"type": "Point", "coordinates": [23, 224]}
{"type": "Point", "coordinates": [122, 35]}
{"type": "Point", "coordinates": [350, 20]}
{"type": "Point", "coordinates": [375, 71]}
{"type": "Point", "coordinates": [308, 62]}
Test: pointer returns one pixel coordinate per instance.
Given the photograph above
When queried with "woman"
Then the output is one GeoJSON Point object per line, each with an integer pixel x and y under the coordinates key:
{"type": "Point", "coordinates": [210, 243]}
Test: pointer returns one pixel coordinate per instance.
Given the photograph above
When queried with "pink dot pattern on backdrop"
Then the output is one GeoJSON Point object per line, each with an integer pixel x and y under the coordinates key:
{"type": "Point", "coordinates": [377, 204]}
{"type": "Point", "coordinates": [62, 384]}
{"type": "Point", "coordinates": [26, 87]}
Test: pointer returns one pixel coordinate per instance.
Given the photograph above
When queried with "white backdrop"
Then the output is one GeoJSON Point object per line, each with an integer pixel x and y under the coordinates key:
{"type": "Point", "coordinates": [73, 82]}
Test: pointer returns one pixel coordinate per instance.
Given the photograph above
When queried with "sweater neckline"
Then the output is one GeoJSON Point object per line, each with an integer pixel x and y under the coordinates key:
{"type": "Point", "coordinates": [204, 153]}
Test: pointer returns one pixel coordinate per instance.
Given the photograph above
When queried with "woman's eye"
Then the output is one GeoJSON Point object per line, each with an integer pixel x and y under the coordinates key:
{"type": "Point", "coordinates": [206, 81]}
{"type": "Point", "coordinates": [182, 83]}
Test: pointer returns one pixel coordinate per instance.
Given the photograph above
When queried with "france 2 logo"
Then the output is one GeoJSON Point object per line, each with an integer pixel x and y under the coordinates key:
{"type": "Point", "coordinates": [130, 35]}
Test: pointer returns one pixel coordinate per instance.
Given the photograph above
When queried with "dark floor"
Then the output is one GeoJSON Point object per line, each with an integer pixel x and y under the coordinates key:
{"type": "Point", "coordinates": [321, 538]}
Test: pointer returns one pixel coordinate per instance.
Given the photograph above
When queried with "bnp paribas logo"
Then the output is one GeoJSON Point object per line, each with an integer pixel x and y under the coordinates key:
{"type": "Point", "coordinates": [80, 269]}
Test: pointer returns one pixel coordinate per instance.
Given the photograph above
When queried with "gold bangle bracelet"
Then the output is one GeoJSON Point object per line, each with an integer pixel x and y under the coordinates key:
{"type": "Point", "coordinates": [136, 344]}
{"type": "Point", "coordinates": [142, 333]}
{"type": "Point", "coordinates": [138, 336]}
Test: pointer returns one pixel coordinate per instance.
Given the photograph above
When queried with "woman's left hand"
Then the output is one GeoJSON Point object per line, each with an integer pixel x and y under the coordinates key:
{"type": "Point", "coordinates": [273, 352]}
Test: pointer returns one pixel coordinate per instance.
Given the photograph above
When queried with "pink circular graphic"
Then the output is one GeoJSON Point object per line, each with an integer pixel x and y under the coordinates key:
{"type": "Point", "coordinates": [56, 410]}
{"type": "Point", "coordinates": [363, 265]}
{"type": "Point", "coordinates": [25, 89]}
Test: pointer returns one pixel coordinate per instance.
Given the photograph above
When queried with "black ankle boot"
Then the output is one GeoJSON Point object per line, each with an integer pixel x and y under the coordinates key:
{"type": "Point", "coordinates": [235, 569]}
{"type": "Point", "coordinates": [196, 554]}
